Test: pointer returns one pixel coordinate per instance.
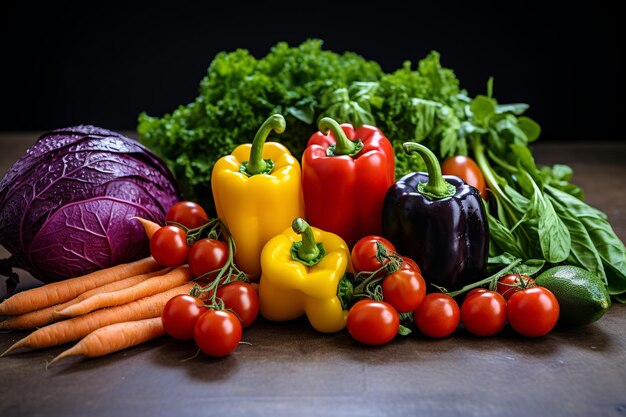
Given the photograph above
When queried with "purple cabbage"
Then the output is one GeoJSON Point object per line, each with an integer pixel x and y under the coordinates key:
{"type": "Point", "coordinates": [66, 206]}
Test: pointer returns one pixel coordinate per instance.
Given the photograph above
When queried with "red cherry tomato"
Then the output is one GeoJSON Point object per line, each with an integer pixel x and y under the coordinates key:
{"type": "Point", "coordinates": [404, 289]}
{"type": "Point", "coordinates": [373, 322]}
{"type": "Point", "coordinates": [168, 246]}
{"type": "Point", "coordinates": [484, 313]}
{"type": "Point", "coordinates": [475, 291]}
{"type": "Point", "coordinates": [466, 169]}
{"type": "Point", "coordinates": [217, 332]}
{"type": "Point", "coordinates": [187, 213]}
{"type": "Point", "coordinates": [364, 253]}
{"type": "Point", "coordinates": [180, 315]}
{"type": "Point", "coordinates": [512, 283]}
{"type": "Point", "coordinates": [207, 255]}
{"type": "Point", "coordinates": [410, 264]}
{"type": "Point", "coordinates": [533, 312]}
{"type": "Point", "coordinates": [437, 316]}
{"type": "Point", "coordinates": [242, 298]}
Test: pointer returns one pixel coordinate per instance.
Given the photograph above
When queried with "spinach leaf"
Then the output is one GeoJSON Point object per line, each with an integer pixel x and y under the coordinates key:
{"type": "Point", "coordinates": [554, 237]}
{"type": "Point", "coordinates": [583, 251]}
{"type": "Point", "coordinates": [608, 246]}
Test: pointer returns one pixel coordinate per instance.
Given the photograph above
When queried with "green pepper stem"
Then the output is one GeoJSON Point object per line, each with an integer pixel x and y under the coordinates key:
{"type": "Point", "coordinates": [308, 250]}
{"type": "Point", "coordinates": [436, 187]}
{"type": "Point", "coordinates": [344, 146]}
{"type": "Point", "coordinates": [256, 164]}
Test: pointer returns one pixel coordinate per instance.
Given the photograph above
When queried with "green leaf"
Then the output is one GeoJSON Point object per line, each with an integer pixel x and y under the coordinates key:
{"type": "Point", "coordinates": [507, 128]}
{"type": "Point", "coordinates": [482, 109]}
{"type": "Point", "coordinates": [504, 239]}
{"type": "Point", "coordinates": [524, 157]}
{"type": "Point", "coordinates": [529, 267]}
{"type": "Point", "coordinates": [515, 108]}
{"type": "Point", "coordinates": [404, 331]}
{"type": "Point", "coordinates": [424, 114]}
{"type": "Point", "coordinates": [609, 247]}
{"type": "Point", "coordinates": [304, 114]}
{"type": "Point", "coordinates": [562, 172]}
{"type": "Point", "coordinates": [620, 298]}
{"type": "Point", "coordinates": [521, 203]}
{"type": "Point", "coordinates": [530, 128]}
{"type": "Point", "coordinates": [554, 237]}
{"type": "Point", "coordinates": [583, 252]}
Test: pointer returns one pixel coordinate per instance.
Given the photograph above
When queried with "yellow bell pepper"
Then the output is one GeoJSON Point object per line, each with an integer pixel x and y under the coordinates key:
{"type": "Point", "coordinates": [302, 276]}
{"type": "Point", "coordinates": [257, 192]}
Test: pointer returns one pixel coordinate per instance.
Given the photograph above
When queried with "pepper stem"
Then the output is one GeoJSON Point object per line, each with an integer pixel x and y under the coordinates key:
{"type": "Point", "coordinates": [436, 187]}
{"type": "Point", "coordinates": [256, 164]}
{"type": "Point", "coordinates": [343, 146]}
{"type": "Point", "coordinates": [307, 251]}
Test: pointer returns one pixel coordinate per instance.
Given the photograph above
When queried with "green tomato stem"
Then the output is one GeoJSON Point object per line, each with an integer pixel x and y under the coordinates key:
{"type": "Point", "coordinates": [489, 280]}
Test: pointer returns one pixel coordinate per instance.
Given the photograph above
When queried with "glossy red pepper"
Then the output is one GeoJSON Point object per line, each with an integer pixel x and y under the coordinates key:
{"type": "Point", "coordinates": [345, 175]}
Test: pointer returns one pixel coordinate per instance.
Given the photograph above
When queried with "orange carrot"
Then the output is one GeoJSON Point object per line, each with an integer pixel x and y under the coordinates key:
{"type": "Point", "coordinates": [50, 314]}
{"type": "Point", "coordinates": [115, 337]}
{"type": "Point", "coordinates": [146, 288]}
{"type": "Point", "coordinates": [78, 327]}
{"type": "Point", "coordinates": [148, 226]}
{"type": "Point", "coordinates": [59, 292]}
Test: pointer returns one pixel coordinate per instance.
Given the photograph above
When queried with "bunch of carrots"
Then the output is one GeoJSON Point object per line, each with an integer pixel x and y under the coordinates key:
{"type": "Point", "coordinates": [106, 311]}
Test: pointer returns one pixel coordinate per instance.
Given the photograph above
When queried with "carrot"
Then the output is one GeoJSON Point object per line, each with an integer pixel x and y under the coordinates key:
{"type": "Point", "coordinates": [50, 314]}
{"type": "Point", "coordinates": [148, 226]}
{"type": "Point", "coordinates": [78, 327]}
{"type": "Point", "coordinates": [148, 287]}
{"type": "Point", "coordinates": [59, 292]}
{"type": "Point", "coordinates": [115, 337]}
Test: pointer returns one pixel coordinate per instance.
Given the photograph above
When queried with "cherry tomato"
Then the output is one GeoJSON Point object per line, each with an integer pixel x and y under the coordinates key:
{"type": "Point", "coordinates": [404, 289]}
{"type": "Point", "coordinates": [437, 316]}
{"type": "Point", "coordinates": [187, 213]}
{"type": "Point", "coordinates": [475, 291]}
{"type": "Point", "coordinates": [243, 299]}
{"type": "Point", "coordinates": [168, 246]}
{"type": "Point", "coordinates": [466, 169]}
{"type": "Point", "coordinates": [180, 315]}
{"type": "Point", "coordinates": [365, 250]}
{"type": "Point", "coordinates": [533, 312]}
{"type": "Point", "coordinates": [207, 255]}
{"type": "Point", "coordinates": [410, 264]}
{"type": "Point", "coordinates": [217, 332]}
{"type": "Point", "coordinates": [484, 313]}
{"type": "Point", "coordinates": [512, 283]}
{"type": "Point", "coordinates": [373, 322]}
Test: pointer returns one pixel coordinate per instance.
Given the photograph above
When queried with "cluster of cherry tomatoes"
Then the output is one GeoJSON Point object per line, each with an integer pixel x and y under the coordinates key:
{"type": "Point", "coordinates": [376, 321]}
{"type": "Point", "coordinates": [530, 310]}
{"type": "Point", "coordinates": [214, 319]}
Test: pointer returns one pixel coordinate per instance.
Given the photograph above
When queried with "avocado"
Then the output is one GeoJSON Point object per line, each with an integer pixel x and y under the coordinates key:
{"type": "Point", "coordinates": [582, 295]}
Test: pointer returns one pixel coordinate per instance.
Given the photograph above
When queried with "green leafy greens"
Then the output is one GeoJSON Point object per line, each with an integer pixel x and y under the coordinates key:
{"type": "Point", "coordinates": [535, 213]}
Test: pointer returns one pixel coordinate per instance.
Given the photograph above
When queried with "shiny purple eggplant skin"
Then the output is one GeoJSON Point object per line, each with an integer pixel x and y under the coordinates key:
{"type": "Point", "coordinates": [448, 237]}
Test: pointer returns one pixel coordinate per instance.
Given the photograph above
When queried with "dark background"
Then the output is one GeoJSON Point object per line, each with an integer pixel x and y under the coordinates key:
{"type": "Point", "coordinates": [66, 63]}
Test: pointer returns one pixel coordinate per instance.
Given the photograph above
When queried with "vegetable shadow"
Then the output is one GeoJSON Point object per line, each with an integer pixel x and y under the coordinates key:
{"type": "Point", "coordinates": [73, 365]}
{"type": "Point", "coordinates": [185, 355]}
{"type": "Point", "coordinates": [591, 337]}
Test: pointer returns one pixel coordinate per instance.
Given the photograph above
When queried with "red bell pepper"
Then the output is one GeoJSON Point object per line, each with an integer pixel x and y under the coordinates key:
{"type": "Point", "coordinates": [345, 175]}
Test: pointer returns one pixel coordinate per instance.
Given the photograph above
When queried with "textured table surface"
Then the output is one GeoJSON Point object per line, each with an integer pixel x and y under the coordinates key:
{"type": "Point", "coordinates": [288, 369]}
